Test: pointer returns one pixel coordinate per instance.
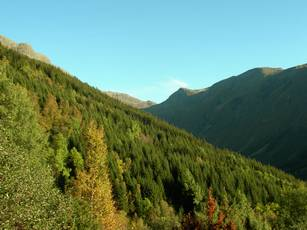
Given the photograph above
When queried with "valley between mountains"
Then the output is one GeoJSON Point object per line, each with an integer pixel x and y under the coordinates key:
{"type": "Point", "coordinates": [72, 157]}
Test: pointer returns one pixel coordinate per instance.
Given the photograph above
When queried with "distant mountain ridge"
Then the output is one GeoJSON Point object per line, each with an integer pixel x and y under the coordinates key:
{"type": "Point", "coordinates": [190, 92]}
{"type": "Point", "coordinates": [24, 49]}
{"type": "Point", "coordinates": [158, 172]}
{"type": "Point", "coordinates": [27, 50]}
{"type": "Point", "coordinates": [261, 113]}
{"type": "Point", "coordinates": [129, 100]}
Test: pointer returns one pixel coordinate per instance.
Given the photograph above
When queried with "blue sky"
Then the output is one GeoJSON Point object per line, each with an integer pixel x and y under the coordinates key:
{"type": "Point", "coordinates": [151, 48]}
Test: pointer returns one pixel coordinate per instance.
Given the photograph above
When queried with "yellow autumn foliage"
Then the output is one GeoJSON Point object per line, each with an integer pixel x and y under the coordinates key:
{"type": "Point", "coordinates": [93, 184]}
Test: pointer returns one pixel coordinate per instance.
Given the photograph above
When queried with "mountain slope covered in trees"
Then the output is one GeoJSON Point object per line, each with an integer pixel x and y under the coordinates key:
{"type": "Point", "coordinates": [114, 167]}
{"type": "Point", "coordinates": [23, 48]}
{"type": "Point", "coordinates": [27, 50]}
{"type": "Point", "coordinates": [261, 113]}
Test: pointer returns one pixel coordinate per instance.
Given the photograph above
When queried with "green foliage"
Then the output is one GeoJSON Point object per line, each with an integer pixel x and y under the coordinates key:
{"type": "Point", "coordinates": [244, 216]}
{"type": "Point", "coordinates": [150, 162]}
{"type": "Point", "coordinates": [255, 113]}
{"type": "Point", "coordinates": [191, 188]}
{"type": "Point", "coordinates": [134, 131]}
{"type": "Point", "coordinates": [17, 113]}
{"type": "Point", "coordinates": [29, 198]}
{"type": "Point", "coordinates": [61, 158]}
{"type": "Point", "coordinates": [77, 159]}
{"type": "Point", "coordinates": [293, 210]}
{"type": "Point", "coordinates": [163, 216]}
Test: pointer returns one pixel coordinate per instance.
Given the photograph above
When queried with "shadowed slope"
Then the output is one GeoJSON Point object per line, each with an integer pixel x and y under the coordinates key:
{"type": "Point", "coordinates": [261, 113]}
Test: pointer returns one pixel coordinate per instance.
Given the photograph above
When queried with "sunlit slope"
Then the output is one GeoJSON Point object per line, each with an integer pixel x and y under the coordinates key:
{"type": "Point", "coordinates": [150, 161]}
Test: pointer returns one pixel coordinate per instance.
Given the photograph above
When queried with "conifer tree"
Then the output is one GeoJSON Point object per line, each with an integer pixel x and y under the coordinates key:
{"type": "Point", "coordinates": [92, 183]}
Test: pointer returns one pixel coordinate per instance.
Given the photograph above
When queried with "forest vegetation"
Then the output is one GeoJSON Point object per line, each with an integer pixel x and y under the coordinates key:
{"type": "Point", "coordinates": [72, 157]}
{"type": "Point", "coordinates": [260, 113]}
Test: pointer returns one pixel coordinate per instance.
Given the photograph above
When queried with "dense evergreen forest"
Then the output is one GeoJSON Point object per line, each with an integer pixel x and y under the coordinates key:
{"type": "Point", "coordinates": [262, 113]}
{"type": "Point", "coordinates": [71, 157]}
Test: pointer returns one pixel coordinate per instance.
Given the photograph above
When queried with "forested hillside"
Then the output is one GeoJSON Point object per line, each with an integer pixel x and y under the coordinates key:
{"type": "Point", "coordinates": [72, 157]}
{"type": "Point", "coordinates": [23, 48]}
{"type": "Point", "coordinates": [260, 113]}
{"type": "Point", "coordinates": [27, 50]}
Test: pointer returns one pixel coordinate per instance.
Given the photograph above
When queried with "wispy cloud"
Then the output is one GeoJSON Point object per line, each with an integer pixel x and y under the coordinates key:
{"type": "Point", "coordinates": [160, 91]}
{"type": "Point", "coordinates": [173, 84]}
